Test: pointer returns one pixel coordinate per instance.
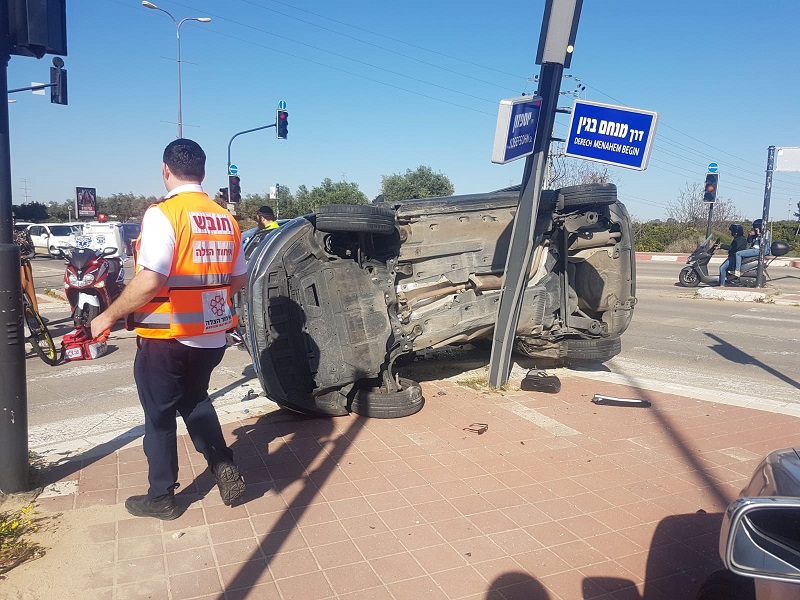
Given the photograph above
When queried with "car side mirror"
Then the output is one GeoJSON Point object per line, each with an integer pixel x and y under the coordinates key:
{"type": "Point", "coordinates": [760, 538]}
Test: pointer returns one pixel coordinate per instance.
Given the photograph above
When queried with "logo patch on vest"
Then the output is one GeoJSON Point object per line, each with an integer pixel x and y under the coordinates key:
{"type": "Point", "coordinates": [213, 252]}
{"type": "Point", "coordinates": [216, 312]}
{"type": "Point", "coordinates": [214, 223]}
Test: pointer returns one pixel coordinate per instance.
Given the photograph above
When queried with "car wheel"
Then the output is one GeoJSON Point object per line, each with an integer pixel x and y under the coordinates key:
{"type": "Point", "coordinates": [724, 585]}
{"type": "Point", "coordinates": [688, 277]}
{"type": "Point", "coordinates": [355, 218]}
{"type": "Point", "coordinates": [597, 350]}
{"type": "Point", "coordinates": [53, 252]}
{"type": "Point", "coordinates": [589, 193]}
{"type": "Point", "coordinates": [375, 402]}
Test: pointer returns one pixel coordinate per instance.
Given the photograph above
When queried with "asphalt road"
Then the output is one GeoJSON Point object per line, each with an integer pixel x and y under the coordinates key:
{"type": "Point", "coordinates": [676, 342]}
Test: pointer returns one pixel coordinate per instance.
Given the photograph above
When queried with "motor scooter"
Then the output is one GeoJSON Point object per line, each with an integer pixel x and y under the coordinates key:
{"type": "Point", "coordinates": [696, 270]}
{"type": "Point", "coordinates": [92, 281]}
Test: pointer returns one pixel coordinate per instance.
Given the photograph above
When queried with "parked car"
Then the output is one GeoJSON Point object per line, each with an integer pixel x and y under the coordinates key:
{"type": "Point", "coordinates": [130, 233]}
{"type": "Point", "coordinates": [759, 541]}
{"type": "Point", "coordinates": [335, 298]}
{"type": "Point", "coordinates": [46, 237]}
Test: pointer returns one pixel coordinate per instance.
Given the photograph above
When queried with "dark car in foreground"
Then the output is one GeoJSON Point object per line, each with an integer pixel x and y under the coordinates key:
{"type": "Point", "coordinates": [335, 298]}
{"type": "Point", "coordinates": [760, 536]}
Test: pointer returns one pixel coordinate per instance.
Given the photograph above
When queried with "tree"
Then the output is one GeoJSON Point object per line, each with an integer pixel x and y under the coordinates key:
{"type": "Point", "coordinates": [341, 192]}
{"type": "Point", "coordinates": [689, 207]}
{"type": "Point", "coordinates": [565, 172]}
{"type": "Point", "coordinates": [31, 211]}
{"type": "Point", "coordinates": [124, 207]}
{"type": "Point", "coordinates": [422, 183]}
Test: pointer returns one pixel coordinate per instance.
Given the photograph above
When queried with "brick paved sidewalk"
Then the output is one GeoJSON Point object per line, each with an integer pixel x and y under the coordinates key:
{"type": "Point", "coordinates": [502, 496]}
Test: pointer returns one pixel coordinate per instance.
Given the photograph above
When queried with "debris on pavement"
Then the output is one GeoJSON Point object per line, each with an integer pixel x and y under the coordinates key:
{"type": "Point", "coordinates": [610, 401]}
{"type": "Point", "coordinates": [479, 428]}
{"type": "Point", "coordinates": [538, 380]}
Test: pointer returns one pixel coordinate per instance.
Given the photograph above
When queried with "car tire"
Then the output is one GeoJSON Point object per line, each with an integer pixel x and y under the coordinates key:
{"type": "Point", "coordinates": [688, 277]}
{"type": "Point", "coordinates": [589, 193]}
{"type": "Point", "coordinates": [596, 350]}
{"type": "Point", "coordinates": [355, 218]}
{"type": "Point", "coordinates": [724, 585]}
{"type": "Point", "coordinates": [372, 401]}
{"type": "Point", "coordinates": [51, 252]}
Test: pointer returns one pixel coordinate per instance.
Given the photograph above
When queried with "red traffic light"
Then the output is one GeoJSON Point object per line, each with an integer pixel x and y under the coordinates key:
{"type": "Point", "coordinates": [282, 125]}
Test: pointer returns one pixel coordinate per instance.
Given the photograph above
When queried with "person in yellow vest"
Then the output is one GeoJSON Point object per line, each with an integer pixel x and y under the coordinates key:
{"type": "Point", "coordinates": [266, 218]}
{"type": "Point", "coordinates": [189, 264]}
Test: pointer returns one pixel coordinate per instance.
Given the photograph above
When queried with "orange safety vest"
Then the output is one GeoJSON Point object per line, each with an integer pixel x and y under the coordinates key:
{"type": "Point", "coordinates": [195, 299]}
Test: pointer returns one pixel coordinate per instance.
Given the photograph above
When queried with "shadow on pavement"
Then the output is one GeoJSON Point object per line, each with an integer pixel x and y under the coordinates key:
{"type": "Point", "coordinates": [682, 553]}
{"type": "Point", "coordinates": [516, 584]}
{"type": "Point", "coordinates": [732, 353]}
{"type": "Point", "coordinates": [297, 470]}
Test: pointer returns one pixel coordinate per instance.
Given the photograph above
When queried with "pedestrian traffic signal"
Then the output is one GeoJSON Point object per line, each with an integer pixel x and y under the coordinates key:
{"type": "Point", "coordinates": [223, 193]}
{"type": "Point", "coordinates": [282, 125]}
{"type": "Point", "coordinates": [234, 185]}
{"type": "Point", "coordinates": [58, 82]}
{"type": "Point", "coordinates": [710, 188]}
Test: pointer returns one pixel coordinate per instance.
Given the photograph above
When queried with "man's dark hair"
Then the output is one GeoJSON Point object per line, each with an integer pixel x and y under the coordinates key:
{"type": "Point", "coordinates": [186, 160]}
{"type": "Point", "coordinates": [266, 211]}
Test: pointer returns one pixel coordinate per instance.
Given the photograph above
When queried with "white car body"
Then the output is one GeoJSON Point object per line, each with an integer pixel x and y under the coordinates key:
{"type": "Point", "coordinates": [46, 237]}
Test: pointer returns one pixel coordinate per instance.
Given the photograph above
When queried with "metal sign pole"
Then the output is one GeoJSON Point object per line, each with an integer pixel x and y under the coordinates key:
{"type": "Point", "coordinates": [13, 395]}
{"type": "Point", "coordinates": [520, 251]}
{"type": "Point", "coordinates": [765, 216]}
{"type": "Point", "coordinates": [556, 44]}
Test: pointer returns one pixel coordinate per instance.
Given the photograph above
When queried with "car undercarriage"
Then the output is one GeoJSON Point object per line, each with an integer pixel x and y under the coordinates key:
{"type": "Point", "coordinates": [334, 299]}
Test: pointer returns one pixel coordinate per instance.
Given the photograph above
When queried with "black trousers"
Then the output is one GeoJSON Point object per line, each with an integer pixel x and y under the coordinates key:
{"type": "Point", "coordinates": [172, 379]}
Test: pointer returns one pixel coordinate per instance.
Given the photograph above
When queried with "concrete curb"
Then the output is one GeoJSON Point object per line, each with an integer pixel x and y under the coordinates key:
{"type": "Point", "coordinates": [716, 260]}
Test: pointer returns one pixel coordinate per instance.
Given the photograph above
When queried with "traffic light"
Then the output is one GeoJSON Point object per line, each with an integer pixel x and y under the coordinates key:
{"type": "Point", "coordinates": [58, 82]}
{"type": "Point", "coordinates": [282, 125]}
{"type": "Point", "coordinates": [710, 188]}
{"type": "Point", "coordinates": [234, 185]}
{"type": "Point", "coordinates": [223, 192]}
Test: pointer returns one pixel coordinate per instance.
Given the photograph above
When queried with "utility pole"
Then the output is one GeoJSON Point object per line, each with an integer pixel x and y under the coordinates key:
{"type": "Point", "coordinates": [25, 183]}
{"type": "Point", "coordinates": [14, 395]}
{"type": "Point", "coordinates": [765, 215]}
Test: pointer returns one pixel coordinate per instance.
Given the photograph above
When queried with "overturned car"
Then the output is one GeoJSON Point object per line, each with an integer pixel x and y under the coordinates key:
{"type": "Point", "coordinates": [335, 298]}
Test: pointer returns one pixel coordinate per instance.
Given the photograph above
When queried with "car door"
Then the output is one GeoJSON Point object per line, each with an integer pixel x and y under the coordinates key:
{"type": "Point", "coordinates": [40, 237]}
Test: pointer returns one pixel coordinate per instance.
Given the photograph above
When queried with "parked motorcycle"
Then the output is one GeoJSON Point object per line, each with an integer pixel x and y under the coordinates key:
{"type": "Point", "coordinates": [696, 269]}
{"type": "Point", "coordinates": [92, 281]}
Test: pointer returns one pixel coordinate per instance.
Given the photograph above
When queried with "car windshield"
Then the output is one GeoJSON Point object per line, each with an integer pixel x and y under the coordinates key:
{"type": "Point", "coordinates": [62, 230]}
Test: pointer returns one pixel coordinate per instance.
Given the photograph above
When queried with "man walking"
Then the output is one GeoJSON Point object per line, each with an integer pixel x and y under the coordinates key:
{"type": "Point", "coordinates": [189, 264]}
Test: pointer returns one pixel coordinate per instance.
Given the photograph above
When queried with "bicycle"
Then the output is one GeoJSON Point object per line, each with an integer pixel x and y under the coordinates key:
{"type": "Point", "coordinates": [38, 335]}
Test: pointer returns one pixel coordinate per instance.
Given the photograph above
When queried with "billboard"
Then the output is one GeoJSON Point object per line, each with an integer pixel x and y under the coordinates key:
{"type": "Point", "coordinates": [86, 202]}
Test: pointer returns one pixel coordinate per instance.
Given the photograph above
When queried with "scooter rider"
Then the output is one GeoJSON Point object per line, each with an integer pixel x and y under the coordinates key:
{"type": "Point", "coordinates": [755, 239]}
{"type": "Point", "coordinates": [739, 243]}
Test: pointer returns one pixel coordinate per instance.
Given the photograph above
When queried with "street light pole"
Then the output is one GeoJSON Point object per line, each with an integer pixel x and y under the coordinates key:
{"type": "Point", "coordinates": [178, 24]}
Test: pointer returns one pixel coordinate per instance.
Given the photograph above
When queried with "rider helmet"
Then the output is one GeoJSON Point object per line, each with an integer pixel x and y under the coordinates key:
{"type": "Point", "coordinates": [736, 230]}
{"type": "Point", "coordinates": [757, 224]}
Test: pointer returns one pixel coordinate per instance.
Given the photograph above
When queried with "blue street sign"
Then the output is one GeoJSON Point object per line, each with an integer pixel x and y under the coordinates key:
{"type": "Point", "coordinates": [233, 170]}
{"type": "Point", "coordinates": [713, 167]}
{"type": "Point", "coordinates": [282, 105]}
{"type": "Point", "coordinates": [515, 133]}
{"type": "Point", "coordinates": [614, 135]}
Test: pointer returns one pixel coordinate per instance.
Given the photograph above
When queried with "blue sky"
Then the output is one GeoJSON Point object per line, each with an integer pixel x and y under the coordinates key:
{"type": "Point", "coordinates": [375, 88]}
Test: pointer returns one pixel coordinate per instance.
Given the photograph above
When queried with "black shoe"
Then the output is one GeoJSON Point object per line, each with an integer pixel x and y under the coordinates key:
{"type": "Point", "coordinates": [229, 481]}
{"type": "Point", "coordinates": [164, 508]}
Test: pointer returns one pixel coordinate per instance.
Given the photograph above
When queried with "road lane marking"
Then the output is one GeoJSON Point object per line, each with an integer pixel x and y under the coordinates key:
{"type": "Point", "coordinates": [756, 318]}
